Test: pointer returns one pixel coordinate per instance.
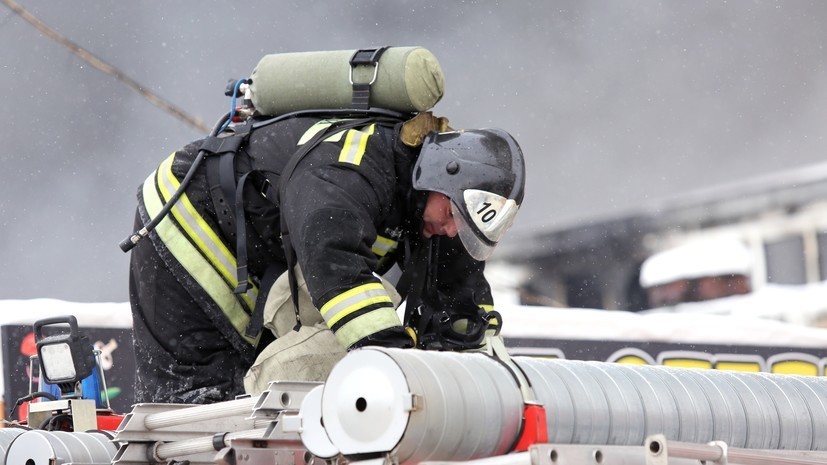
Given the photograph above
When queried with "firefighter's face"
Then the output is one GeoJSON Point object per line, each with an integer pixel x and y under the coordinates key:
{"type": "Point", "coordinates": [438, 219]}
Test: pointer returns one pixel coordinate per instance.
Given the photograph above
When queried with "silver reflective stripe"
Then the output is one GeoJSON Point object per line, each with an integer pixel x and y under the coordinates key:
{"type": "Point", "coordinates": [383, 246]}
{"type": "Point", "coordinates": [381, 316]}
{"type": "Point", "coordinates": [195, 226]}
{"type": "Point", "coordinates": [354, 300]}
{"type": "Point", "coordinates": [355, 144]}
{"type": "Point", "coordinates": [182, 247]}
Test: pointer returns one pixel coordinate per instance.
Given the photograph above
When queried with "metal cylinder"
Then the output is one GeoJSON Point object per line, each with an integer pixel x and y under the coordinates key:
{"type": "Point", "coordinates": [180, 449]}
{"type": "Point", "coordinates": [177, 417]}
{"type": "Point", "coordinates": [614, 404]}
{"type": "Point", "coordinates": [37, 447]}
{"type": "Point", "coordinates": [421, 405]}
{"type": "Point", "coordinates": [7, 435]}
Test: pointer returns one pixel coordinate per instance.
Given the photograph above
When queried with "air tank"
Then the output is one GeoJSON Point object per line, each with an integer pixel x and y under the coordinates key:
{"type": "Point", "coordinates": [616, 404]}
{"type": "Point", "coordinates": [429, 406]}
{"type": "Point", "coordinates": [422, 405]}
{"type": "Point", "coordinates": [7, 435]}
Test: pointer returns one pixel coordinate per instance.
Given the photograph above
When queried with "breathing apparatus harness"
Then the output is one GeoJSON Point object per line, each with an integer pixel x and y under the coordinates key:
{"type": "Point", "coordinates": [215, 145]}
{"type": "Point", "coordinates": [426, 320]}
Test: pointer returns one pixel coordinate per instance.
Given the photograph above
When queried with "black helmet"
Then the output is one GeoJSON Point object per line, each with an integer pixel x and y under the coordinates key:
{"type": "Point", "coordinates": [483, 173]}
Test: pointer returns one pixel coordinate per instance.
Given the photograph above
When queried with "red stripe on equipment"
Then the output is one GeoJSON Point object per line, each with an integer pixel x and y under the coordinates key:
{"type": "Point", "coordinates": [535, 430]}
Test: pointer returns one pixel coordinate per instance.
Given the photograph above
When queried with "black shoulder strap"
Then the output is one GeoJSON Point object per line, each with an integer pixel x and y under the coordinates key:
{"type": "Point", "coordinates": [241, 236]}
{"type": "Point", "coordinates": [221, 193]}
{"type": "Point", "coordinates": [223, 143]}
{"type": "Point", "coordinates": [289, 252]}
{"type": "Point", "coordinates": [227, 194]}
{"type": "Point", "coordinates": [241, 224]}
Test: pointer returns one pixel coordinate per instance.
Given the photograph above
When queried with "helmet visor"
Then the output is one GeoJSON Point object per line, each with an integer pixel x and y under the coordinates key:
{"type": "Point", "coordinates": [482, 219]}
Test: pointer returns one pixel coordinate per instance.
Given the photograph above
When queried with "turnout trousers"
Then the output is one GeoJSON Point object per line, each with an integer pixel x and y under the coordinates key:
{"type": "Point", "coordinates": [181, 357]}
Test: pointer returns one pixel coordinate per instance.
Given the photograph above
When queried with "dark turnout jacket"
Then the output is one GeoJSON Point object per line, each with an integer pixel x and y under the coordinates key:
{"type": "Point", "coordinates": [349, 210]}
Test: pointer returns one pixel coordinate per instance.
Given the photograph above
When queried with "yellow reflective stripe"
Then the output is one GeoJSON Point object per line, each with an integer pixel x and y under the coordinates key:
{"type": "Point", "coordinates": [364, 325]}
{"type": "Point", "coordinates": [200, 232]}
{"type": "Point", "coordinates": [319, 127]}
{"type": "Point", "coordinates": [383, 246]}
{"type": "Point", "coordinates": [194, 225]}
{"type": "Point", "coordinates": [355, 299]}
{"type": "Point", "coordinates": [196, 265]}
{"type": "Point", "coordinates": [355, 144]}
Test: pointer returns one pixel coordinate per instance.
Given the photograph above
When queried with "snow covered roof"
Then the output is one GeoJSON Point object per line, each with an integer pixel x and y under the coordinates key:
{"type": "Point", "coordinates": [674, 327]}
{"type": "Point", "coordinates": [95, 314]}
{"type": "Point", "coordinates": [740, 328]}
{"type": "Point", "coordinates": [714, 257]}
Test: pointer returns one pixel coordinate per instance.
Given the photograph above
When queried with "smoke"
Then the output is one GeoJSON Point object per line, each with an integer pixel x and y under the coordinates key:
{"type": "Point", "coordinates": [614, 104]}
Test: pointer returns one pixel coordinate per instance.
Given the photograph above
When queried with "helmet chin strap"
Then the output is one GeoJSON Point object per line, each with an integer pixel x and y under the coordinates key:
{"type": "Point", "coordinates": [416, 201]}
{"type": "Point", "coordinates": [436, 327]}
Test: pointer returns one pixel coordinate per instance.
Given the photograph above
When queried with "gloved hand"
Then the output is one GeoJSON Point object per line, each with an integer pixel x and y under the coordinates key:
{"type": "Point", "coordinates": [395, 336]}
{"type": "Point", "coordinates": [456, 330]}
{"type": "Point", "coordinates": [414, 130]}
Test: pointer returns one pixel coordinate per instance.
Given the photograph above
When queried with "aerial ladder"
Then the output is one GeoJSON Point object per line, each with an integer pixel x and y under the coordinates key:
{"type": "Point", "coordinates": [391, 406]}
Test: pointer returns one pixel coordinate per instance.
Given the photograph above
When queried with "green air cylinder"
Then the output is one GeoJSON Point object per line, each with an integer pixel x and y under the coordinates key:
{"type": "Point", "coordinates": [408, 79]}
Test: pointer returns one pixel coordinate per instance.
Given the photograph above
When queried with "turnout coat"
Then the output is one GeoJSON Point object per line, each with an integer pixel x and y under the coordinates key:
{"type": "Point", "coordinates": [351, 214]}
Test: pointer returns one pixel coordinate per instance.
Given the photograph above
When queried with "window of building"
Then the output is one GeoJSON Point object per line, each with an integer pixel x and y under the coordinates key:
{"type": "Point", "coordinates": [822, 255]}
{"type": "Point", "coordinates": [583, 291]}
{"type": "Point", "coordinates": [785, 261]}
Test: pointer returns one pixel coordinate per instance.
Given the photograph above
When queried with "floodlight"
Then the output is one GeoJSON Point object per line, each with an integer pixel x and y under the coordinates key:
{"type": "Point", "coordinates": [66, 357]}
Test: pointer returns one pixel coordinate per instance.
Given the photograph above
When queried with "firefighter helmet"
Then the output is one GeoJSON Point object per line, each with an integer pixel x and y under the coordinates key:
{"type": "Point", "coordinates": [483, 173]}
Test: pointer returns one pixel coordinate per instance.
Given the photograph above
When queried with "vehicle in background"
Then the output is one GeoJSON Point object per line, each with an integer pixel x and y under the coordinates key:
{"type": "Point", "coordinates": [781, 220]}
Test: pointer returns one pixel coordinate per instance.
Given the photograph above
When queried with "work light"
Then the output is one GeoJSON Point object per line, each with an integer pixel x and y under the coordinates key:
{"type": "Point", "coordinates": [66, 356]}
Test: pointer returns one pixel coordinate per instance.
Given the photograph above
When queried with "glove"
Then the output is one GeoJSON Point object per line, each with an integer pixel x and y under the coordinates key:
{"type": "Point", "coordinates": [395, 336]}
{"type": "Point", "coordinates": [414, 130]}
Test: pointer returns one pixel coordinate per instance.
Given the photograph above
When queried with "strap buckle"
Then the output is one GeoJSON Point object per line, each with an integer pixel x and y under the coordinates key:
{"type": "Point", "coordinates": [366, 56]}
{"type": "Point", "coordinates": [361, 91]}
{"type": "Point", "coordinates": [265, 189]}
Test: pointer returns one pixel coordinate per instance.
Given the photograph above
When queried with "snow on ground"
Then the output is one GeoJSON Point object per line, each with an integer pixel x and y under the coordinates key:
{"type": "Point", "coordinates": [732, 320]}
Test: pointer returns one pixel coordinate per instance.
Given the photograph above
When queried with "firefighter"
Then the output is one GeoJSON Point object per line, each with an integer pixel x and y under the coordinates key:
{"type": "Point", "coordinates": [213, 288]}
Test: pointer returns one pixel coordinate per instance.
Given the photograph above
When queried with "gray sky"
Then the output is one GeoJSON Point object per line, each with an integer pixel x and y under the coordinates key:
{"type": "Point", "coordinates": [615, 103]}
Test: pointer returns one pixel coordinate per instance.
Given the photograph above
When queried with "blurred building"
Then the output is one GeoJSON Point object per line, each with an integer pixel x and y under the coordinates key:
{"type": "Point", "coordinates": [780, 221]}
{"type": "Point", "coordinates": [697, 271]}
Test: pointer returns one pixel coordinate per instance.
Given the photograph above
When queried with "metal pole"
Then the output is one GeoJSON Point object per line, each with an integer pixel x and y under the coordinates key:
{"type": "Point", "coordinates": [200, 413]}
{"type": "Point", "coordinates": [718, 452]}
{"type": "Point", "coordinates": [103, 378]}
{"type": "Point", "coordinates": [520, 458]}
{"type": "Point", "coordinates": [167, 450]}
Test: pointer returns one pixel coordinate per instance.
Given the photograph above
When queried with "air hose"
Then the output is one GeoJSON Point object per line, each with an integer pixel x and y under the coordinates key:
{"type": "Point", "coordinates": [131, 241]}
